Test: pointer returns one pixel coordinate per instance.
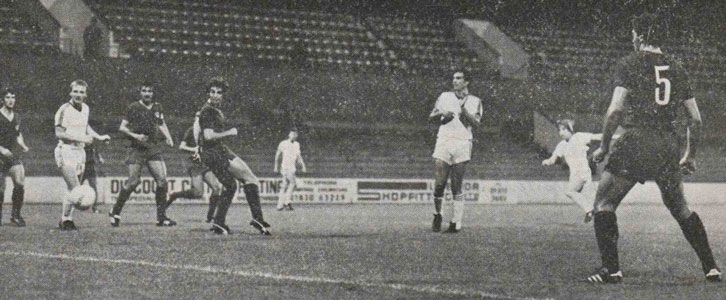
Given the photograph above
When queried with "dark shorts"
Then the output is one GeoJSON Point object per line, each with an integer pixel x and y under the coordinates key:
{"type": "Point", "coordinates": [8, 162]}
{"type": "Point", "coordinates": [137, 156]}
{"type": "Point", "coordinates": [195, 168]}
{"type": "Point", "coordinates": [645, 154]}
{"type": "Point", "coordinates": [218, 159]}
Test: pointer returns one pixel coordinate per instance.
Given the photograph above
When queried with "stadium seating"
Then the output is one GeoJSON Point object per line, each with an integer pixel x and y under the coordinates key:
{"type": "Point", "coordinates": [588, 57]}
{"type": "Point", "coordinates": [19, 34]}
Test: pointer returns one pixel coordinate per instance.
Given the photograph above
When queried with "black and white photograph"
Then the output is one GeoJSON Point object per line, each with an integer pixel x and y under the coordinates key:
{"type": "Point", "coordinates": [362, 149]}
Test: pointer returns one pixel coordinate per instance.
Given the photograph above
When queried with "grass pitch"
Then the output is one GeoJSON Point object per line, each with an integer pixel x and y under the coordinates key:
{"type": "Point", "coordinates": [351, 252]}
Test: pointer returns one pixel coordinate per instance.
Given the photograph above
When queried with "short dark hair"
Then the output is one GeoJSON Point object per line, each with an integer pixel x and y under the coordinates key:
{"type": "Point", "coordinates": [567, 123]}
{"type": "Point", "coordinates": [146, 83]}
{"type": "Point", "coordinates": [653, 27]}
{"type": "Point", "coordinates": [217, 82]}
{"type": "Point", "coordinates": [463, 72]}
{"type": "Point", "coordinates": [9, 90]}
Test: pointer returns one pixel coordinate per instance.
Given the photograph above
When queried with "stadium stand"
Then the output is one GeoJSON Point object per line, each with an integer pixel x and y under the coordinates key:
{"type": "Point", "coordinates": [18, 32]}
{"type": "Point", "coordinates": [377, 73]}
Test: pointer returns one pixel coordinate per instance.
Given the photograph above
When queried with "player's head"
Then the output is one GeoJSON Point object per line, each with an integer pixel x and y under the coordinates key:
{"type": "Point", "coordinates": [79, 90]}
{"type": "Point", "coordinates": [216, 89]}
{"type": "Point", "coordinates": [9, 97]}
{"type": "Point", "coordinates": [146, 90]}
{"type": "Point", "coordinates": [566, 128]}
{"type": "Point", "coordinates": [293, 134]}
{"type": "Point", "coordinates": [460, 80]}
{"type": "Point", "coordinates": [649, 29]}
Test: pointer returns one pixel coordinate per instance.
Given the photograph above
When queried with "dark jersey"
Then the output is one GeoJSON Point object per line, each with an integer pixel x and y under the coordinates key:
{"type": "Point", "coordinates": [657, 85]}
{"type": "Point", "coordinates": [143, 120]}
{"type": "Point", "coordinates": [210, 117]}
{"type": "Point", "coordinates": [188, 137]}
{"type": "Point", "coordinates": [9, 131]}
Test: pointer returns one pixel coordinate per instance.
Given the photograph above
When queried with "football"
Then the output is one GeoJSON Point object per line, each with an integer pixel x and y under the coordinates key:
{"type": "Point", "coordinates": [82, 197]}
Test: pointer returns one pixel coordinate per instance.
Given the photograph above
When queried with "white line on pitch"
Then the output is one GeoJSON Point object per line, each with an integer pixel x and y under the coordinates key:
{"type": "Point", "coordinates": [277, 277]}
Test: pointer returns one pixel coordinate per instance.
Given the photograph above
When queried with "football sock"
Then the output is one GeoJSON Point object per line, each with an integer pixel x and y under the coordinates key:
{"type": "Point", "coordinates": [458, 205]}
{"type": "Point", "coordinates": [160, 198]}
{"type": "Point", "coordinates": [225, 199]}
{"type": "Point", "coordinates": [606, 232]}
{"type": "Point", "coordinates": [67, 208]}
{"type": "Point", "coordinates": [252, 194]}
{"type": "Point", "coordinates": [439, 196]}
{"type": "Point", "coordinates": [695, 233]}
{"type": "Point", "coordinates": [213, 199]}
{"type": "Point", "coordinates": [123, 195]}
{"type": "Point", "coordinates": [18, 195]}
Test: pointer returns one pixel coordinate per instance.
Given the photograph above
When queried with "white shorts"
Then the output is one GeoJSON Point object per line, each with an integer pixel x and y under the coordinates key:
{"type": "Point", "coordinates": [70, 156]}
{"type": "Point", "coordinates": [579, 177]}
{"type": "Point", "coordinates": [288, 176]}
{"type": "Point", "coordinates": [452, 151]}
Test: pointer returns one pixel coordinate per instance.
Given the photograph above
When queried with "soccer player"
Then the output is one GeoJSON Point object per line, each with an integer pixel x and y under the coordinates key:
{"type": "Point", "coordinates": [457, 112]}
{"type": "Point", "coordinates": [73, 133]}
{"type": "Point", "coordinates": [286, 159]}
{"type": "Point", "coordinates": [11, 145]}
{"type": "Point", "coordinates": [199, 174]}
{"type": "Point", "coordinates": [90, 174]}
{"type": "Point", "coordinates": [650, 88]}
{"type": "Point", "coordinates": [144, 126]}
{"type": "Point", "coordinates": [573, 149]}
{"type": "Point", "coordinates": [224, 163]}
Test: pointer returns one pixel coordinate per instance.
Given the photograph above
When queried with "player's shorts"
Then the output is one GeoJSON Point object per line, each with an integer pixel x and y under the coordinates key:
{"type": "Point", "coordinates": [452, 151]}
{"type": "Point", "coordinates": [138, 156]}
{"type": "Point", "coordinates": [217, 158]}
{"type": "Point", "coordinates": [8, 162]}
{"type": "Point", "coordinates": [70, 156]}
{"type": "Point", "coordinates": [195, 169]}
{"type": "Point", "coordinates": [645, 154]}
{"type": "Point", "coordinates": [288, 175]}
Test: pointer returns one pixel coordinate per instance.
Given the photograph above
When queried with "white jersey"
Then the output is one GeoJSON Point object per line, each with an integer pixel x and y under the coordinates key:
{"type": "Point", "coordinates": [75, 122]}
{"type": "Point", "coordinates": [455, 129]}
{"type": "Point", "coordinates": [290, 152]}
{"type": "Point", "coordinates": [574, 152]}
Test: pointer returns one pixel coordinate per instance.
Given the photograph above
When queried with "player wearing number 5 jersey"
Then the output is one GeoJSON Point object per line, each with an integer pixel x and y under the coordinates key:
{"type": "Point", "coordinates": [650, 87]}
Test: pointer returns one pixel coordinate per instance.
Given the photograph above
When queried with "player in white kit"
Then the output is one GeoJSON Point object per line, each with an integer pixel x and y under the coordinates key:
{"type": "Point", "coordinates": [73, 133]}
{"type": "Point", "coordinates": [457, 112]}
{"type": "Point", "coordinates": [287, 157]}
{"type": "Point", "coordinates": [573, 149]}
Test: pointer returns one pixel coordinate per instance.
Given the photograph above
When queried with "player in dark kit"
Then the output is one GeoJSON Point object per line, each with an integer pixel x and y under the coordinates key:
{"type": "Point", "coordinates": [146, 130]}
{"type": "Point", "coordinates": [650, 88]}
{"type": "Point", "coordinates": [199, 174]}
{"type": "Point", "coordinates": [11, 145]}
{"type": "Point", "coordinates": [224, 163]}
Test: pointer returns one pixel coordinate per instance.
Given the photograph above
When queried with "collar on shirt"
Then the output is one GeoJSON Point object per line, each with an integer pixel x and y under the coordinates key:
{"type": "Point", "coordinates": [76, 105]}
{"type": "Point", "coordinates": [464, 93]}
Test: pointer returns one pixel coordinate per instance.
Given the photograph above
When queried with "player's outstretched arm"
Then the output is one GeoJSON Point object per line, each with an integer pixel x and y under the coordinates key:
{"type": "Point", "coordinates": [61, 133]}
{"type": "Point", "coordinates": [184, 147]}
{"type": "Point", "coordinates": [210, 134]}
{"type": "Point", "coordinates": [92, 133]}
